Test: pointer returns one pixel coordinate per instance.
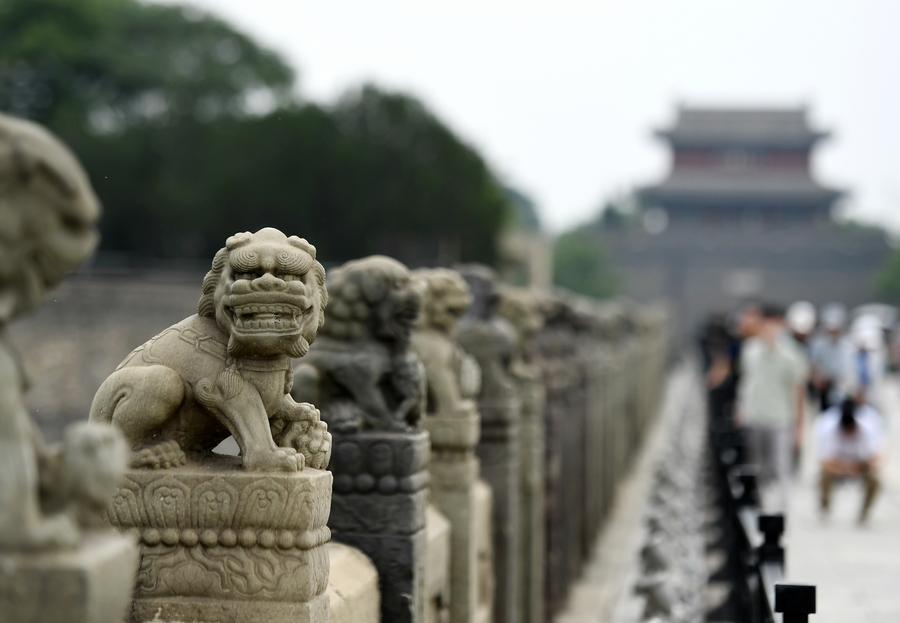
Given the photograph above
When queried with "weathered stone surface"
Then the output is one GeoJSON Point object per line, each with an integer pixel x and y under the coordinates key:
{"type": "Point", "coordinates": [216, 540]}
{"type": "Point", "coordinates": [483, 512]}
{"type": "Point", "coordinates": [437, 566]}
{"type": "Point", "coordinates": [381, 508]}
{"type": "Point", "coordinates": [352, 586]}
{"type": "Point", "coordinates": [370, 388]}
{"type": "Point", "coordinates": [53, 565]}
{"type": "Point", "coordinates": [89, 583]}
{"type": "Point", "coordinates": [492, 341]}
{"type": "Point", "coordinates": [453, 382]}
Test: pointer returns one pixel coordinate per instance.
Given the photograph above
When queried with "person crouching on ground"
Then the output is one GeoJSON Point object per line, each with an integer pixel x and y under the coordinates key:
{"type": "Point", "coordinates": [849, 440]}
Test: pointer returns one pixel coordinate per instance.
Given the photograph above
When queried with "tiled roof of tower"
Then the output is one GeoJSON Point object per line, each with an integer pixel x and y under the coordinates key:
{"type": "Point", "coordinates": [741, 185]}
{"type": "Point", "coordinates": [742, 126]}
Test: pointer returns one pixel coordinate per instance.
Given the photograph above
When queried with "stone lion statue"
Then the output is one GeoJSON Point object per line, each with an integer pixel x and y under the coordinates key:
{"type": "Point", "coordinates": [227, 369]}
{"type": "Point", "coordinates": [48, 215]}
{"type": "Point", "coordinates": [362, 372]}
{"type": "Point", "coordinates": [522, 308]}
{"type": "Point", "coordinates": [454, 378]}
{"type": "Point", "coordinates": [487, 335]}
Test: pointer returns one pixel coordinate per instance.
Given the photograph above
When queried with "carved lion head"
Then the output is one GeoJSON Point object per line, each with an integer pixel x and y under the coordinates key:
{"type": "Point", "coordinates": [267, 293]}
{"type": "Point", "coordinates": [521, 308]}
{"type": "Point", "coordinates": [446, 298]}
{"type": "Point", "coordinates": [48, 214]}
{"type": "Point", "coordinates": [94, 457]}
{"type": "Point", "coordinates": [373, 297]}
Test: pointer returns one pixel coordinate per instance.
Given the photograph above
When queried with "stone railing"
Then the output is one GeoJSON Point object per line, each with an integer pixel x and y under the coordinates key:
{"type": "Point", "coordinates": [384, 444]}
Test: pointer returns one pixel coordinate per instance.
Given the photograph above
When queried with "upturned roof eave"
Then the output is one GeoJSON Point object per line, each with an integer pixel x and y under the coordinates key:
{"type": "Point", "coordinates": [659, 193]}
{"type": "Point", "coordinates": [681, 139]}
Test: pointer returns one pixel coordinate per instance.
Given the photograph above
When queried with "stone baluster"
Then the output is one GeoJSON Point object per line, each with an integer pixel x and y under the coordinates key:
{"type": "Point", "coordinates": [454, 380]}
{"type": "Point", "coordinates": [606, 389]}
{"type": "Point", "coordinates": [522, 309]}
{"type": "Point", "coordinates": [592, 358]}
{"type": "Point", "coordinates": [226, 537]}
{"type": "Point", "coordinates": [556, 346]}
{"type": "Point", "coordinates": [574, 459]}
{"type": "Point", "coordinates": [491, 340]}
{"type": "Point", "coordinates": [369, 385]}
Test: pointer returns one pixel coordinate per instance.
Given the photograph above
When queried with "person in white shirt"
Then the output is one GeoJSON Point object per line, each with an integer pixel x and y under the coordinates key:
{"type": "Point", "coordinates": [850, 439]}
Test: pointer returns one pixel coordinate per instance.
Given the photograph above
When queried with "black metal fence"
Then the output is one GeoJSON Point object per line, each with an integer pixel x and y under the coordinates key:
{"type": "Point", "coordinates": [756, 555]}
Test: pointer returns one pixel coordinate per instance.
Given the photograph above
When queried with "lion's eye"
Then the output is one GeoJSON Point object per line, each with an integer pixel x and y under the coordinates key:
{"type": "Point", "coordinates": [288, 277]}
{"type": "Point", "coordinates": [247, 276]}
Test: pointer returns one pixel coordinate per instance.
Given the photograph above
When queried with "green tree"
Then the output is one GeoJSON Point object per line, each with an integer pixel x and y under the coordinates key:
{"type": "Point", "coordinates": [580, 264]}
{"type": "Point", "coordinates": [524, 213]}
{"type": "Point", "coordinates": [190, 131]}
{"type": "Point", "coordinates": [439, 197]}
{"type": "Point", "coordinates": [887, 282]}
{"type": "Point", "coordinates": [105, 64]}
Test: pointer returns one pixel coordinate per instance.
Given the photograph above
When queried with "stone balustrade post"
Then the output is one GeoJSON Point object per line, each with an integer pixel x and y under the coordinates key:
{"type": "Point", "coordinates": [454, 424]}
{"type": "Point", "coordinates": [228, 538]}
{"type": "Point", "coordinates": [522, 309]}
{"type": "Point", "coordinates": [370, 387]}
{"type": "Point", "coordinates": [559, 367]}
{"type": "Point", "coordinates": [58, 562]}
{"type": "Point", "coordinates": [491, 340]}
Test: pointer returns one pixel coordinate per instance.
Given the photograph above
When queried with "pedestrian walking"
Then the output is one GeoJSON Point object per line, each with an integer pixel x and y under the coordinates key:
{"type": "Point", "coordinates": [771, 404]}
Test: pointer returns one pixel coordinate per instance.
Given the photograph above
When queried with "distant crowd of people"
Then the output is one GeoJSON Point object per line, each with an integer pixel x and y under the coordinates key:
{"type": "Point", "coordinates": [767, 367]}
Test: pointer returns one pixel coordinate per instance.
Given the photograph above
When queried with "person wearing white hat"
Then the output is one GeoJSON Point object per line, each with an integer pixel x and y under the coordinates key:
{"type": "Point", "coordinates": [801, 320]}
{"type": "Point", "coordinates": [829, 351]}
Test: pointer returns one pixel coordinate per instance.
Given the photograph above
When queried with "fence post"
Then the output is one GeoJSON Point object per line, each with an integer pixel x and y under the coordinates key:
{"type": "Point", "coordinates": [772, 528]}
{"type": "Point", "coordinates": [795, 602]}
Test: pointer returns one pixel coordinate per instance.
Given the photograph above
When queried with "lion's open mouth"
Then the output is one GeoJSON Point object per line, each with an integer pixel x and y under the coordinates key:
{"type": "Point", "coordinates": [250, 318]}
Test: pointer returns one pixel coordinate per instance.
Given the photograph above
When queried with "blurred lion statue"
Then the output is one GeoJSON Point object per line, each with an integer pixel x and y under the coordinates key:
{"type": "Point", "coordinates": [362, 373]}
{"type": "Point", "coordinates": [48, 216]}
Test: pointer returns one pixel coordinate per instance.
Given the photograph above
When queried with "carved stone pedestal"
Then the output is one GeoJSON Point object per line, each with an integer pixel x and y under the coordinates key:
{"type": "Point", "coordinates": [89, 584]}
{"type": "Point", "coordinates": [220, 544]}
{"type": "Point", "coordinates": [454, 491]}
{"type": "Point", "coordinates": [380, 497]}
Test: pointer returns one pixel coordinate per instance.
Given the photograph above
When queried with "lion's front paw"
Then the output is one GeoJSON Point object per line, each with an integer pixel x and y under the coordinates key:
{"type": "Point", "coordinates": [317, 449]}
{"type": "Point", "coordinates": [310, 438]}
{"type": "Point", "coordinates": [278, 460]}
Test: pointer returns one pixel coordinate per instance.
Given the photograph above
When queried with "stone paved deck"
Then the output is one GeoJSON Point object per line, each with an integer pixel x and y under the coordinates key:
{"type": "Point", "coordinates": [601, 594]}
{"type": "Point", "coordinates": [856, 570]}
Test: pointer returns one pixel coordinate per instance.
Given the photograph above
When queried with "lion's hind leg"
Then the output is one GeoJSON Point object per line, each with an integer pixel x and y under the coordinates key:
{"type": "Point", "coordinates": [139, 401]}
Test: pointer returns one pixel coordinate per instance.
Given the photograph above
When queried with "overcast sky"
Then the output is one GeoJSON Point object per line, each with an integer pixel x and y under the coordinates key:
{"type": "Point", "coordinates": [561, 96]}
